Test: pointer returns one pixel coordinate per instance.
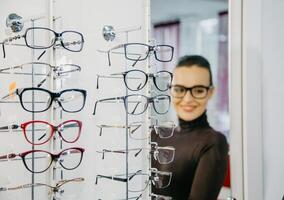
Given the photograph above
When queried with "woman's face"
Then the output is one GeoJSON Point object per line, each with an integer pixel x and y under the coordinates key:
{"type": "Point", "coordinates": [189, 108]}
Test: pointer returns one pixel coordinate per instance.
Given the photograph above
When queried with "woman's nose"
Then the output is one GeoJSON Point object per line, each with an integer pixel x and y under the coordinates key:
{"type": "Point", "coordinates": [188, 97]}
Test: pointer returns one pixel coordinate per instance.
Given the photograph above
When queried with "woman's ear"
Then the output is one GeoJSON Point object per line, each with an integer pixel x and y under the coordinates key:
{"type": "Point", "coordinates": [211, 92]}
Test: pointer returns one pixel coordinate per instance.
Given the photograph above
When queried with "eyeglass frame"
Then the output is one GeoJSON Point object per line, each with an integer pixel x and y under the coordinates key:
{"type": "Point", "coordinates": [53, 68]}
{"type": "Point", "coordinates": [53, 188]}
{"type": "Point", "coordinates": [54, 157]}
{"type": "Point", "coordinates": [153, 152]}
{"type": "Point", "coordinates": [139, 172]}
{"type": "Point", "coordinates": [190, 90]}
{"type": "Point", "coordinates": [101, 126]}
{"type": "Point", "coordinates": [147, 76]}
{"type": "Point", "coordinates": [57, 35]}
{"type": "Point", "coordinates": [150, 48]}
{"type": "Point", "coordinates": [53, 129]}
{"type": "Point", "coordinates": [149, 100]}
{"type": "Point", "coordinates": [53, 95]}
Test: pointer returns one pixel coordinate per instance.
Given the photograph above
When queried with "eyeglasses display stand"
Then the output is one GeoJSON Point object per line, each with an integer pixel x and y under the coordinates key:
{"type": "Point", "coordinates": [43, 164]}
{"type": "Point", "coordinates": [109, 35]}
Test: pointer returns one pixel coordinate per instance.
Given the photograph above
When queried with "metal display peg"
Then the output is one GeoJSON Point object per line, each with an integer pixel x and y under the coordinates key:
{"type": "Point", "coordinates": [15, 22]}
{"type": "Point", "coordinates": [109, 33]}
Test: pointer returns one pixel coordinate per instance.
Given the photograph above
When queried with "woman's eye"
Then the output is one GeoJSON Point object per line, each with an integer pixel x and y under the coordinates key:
{"type": "Point", "coordinates": [199, 90]}
{"type": "Point", "coordinates": [178, 90]}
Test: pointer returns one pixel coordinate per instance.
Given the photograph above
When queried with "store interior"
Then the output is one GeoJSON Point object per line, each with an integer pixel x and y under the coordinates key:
{"type": "Point", "coordinates": [82, 66]}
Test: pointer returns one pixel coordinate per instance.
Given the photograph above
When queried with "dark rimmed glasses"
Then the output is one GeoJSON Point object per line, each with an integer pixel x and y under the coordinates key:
{"type": "Point", "coordinates": [139, 181]}
{"type": "Point", "coordinates": [40, 132]}
{"type": "Point", "coordinates": [37, 100]}
{"type": "Point", "coordinates": [41, 69]}
{"type": "Point", "coordinates": [36, 38]}
{"type": "Point", "coordinates": [140, 51]}
{"type": "Point", "coordinates": [69, 159]}
{"type": "Point", "coordinates": [136, 79]}
{"type": "Point", "coordinates": [197, 91]}
{"type": "Point", "coordinates": [136, 104]}
{"type": "Point", "coordinates": [164, 129]}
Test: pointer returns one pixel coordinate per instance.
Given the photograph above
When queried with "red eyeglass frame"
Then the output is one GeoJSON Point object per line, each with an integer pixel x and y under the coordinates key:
{"type": "Point", "coordinates": [53, 130]}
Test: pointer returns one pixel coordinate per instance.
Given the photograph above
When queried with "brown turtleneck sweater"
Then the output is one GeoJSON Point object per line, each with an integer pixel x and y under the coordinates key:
{"type": "Point", "coordinates": [200, 161]}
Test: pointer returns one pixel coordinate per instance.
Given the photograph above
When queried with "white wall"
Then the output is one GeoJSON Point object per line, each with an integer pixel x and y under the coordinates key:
{"type": "Point", "coordinates": [262, 97]}
{"type": "Point", "coordinates": [273, 97]}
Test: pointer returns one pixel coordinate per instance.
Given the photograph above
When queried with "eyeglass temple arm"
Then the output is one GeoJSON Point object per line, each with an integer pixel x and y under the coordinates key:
{"type": "Point", "coordinates": [73, 70]}
{"type": "Point", "coordinates": [3, 49]}
{"type": "Point", "coordinates": [139, 151]}
{"type": "Point", "coordinates": [13, 126]}
{"type": "Point", "coordinates": [62, 182]}
{"type": "Point", "coordinates": [8, 156]}
{"type": "Point", "coordinates": [138, 126]}
{"type": "Point", "coordinates": [110, 177]}
{"type": "Point", "coordinates": [136, 61]}
{"type": "Point", "coordinates": [98, 77]}
{"type": "Point", "coordinates": [71, 125]}
{"type": "Point", "coordinates": [10, 68]}
{"type": "Point", "coordinates": [10, 39]}
{"type": "Point", "coordinates": [130, 177]}
{"type": "Point", "coordinates": [113, 48]}
{"type": "Point", "coordinates": [101, 100]}
{"type": "Point", "coordinates": [8, 95]}
{"type": "Point", "coordinates": [135, 108]}
{"type": "Point", "coordinates": [42, 81]}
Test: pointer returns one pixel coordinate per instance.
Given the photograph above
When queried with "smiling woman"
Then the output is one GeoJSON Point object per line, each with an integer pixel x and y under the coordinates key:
{"type": "Point", "coordinates": [200, 164]}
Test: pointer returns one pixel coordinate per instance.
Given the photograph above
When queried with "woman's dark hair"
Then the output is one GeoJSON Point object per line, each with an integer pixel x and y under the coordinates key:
{"type": "Point", "coordinates": [200, 61]}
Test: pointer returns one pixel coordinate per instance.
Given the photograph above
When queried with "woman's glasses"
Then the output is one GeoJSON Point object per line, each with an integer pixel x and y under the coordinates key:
{"type": "Point", "coordinates": [138, 181]}
{"type": "Point", "coordinates": [69, 159]}
{"type": "Point", "coordinates": [137, 104]}
{"type": "Point", "coordinates": [37, 100]}
{"type": "Point", "coordinates": [36, 38]}
{"type": "Point", "coordinates": [139, 52]}
{"type": "Point", "coordinates": [136, 79]}
{"type": "Point", "coordinates": [135, 129]}
{"type": "Point", "coordinates": [40, 132]}
{"type": "Point", "coordinates": [198, 91]}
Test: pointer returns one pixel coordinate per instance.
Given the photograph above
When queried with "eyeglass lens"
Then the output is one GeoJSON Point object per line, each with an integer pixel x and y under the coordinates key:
{"type": "Point", "coordinates": [135, 80]}
{"type": "Point", "coordinates": [164, 155]}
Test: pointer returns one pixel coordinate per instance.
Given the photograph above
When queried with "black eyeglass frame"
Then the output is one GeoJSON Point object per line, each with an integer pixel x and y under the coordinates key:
{"type": "Point", "coordinates": [57, 35]}
{"type": "Point", "coordinates": [54, 157]}
{"type": "Point", "coordinates": [53, 95]}
{"type": "Point", "coordinates": [190, 90]}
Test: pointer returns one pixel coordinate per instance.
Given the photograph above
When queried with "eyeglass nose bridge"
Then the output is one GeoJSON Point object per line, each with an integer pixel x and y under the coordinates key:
{"type": "Point", "coordinates": [188, 90]}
